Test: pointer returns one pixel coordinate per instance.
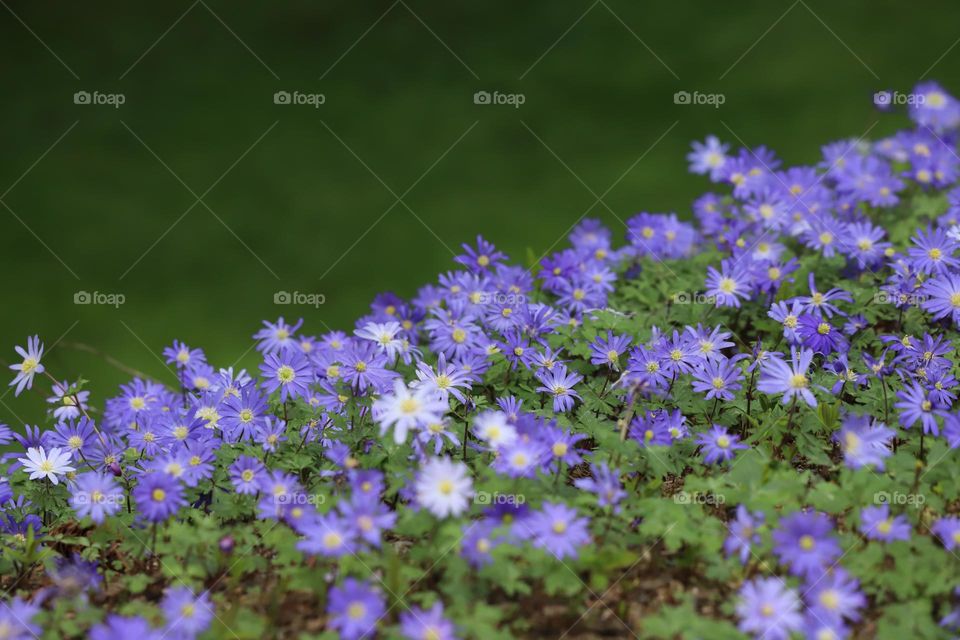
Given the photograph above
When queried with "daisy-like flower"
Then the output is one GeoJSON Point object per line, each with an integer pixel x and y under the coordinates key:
{"type": "Point", "coordinates": [743, 533]}
{"type": "Point", "coordinates": [728, 285]}
{"type": "Point", "coordinates": [186, 614]}
{"type": "Point", "coordinates": [66, 403]}
{"type": "Point", "coordinates": [521, 459]}
{"type": "Point", "coordinates": [354, 608]}
{"type": "Point", "coordinates": [607, 351]}
{"type": "Point", "coordinates": [836, 597]}
{"type": "Point", "coordinates": [158, 496]}
{"type": "Point", "coordinates": [804, 543]}
{"type": "Point", "coordinates": [117, 627]}
{"type": "Point", "coordinates": [247, 474]}
{"type": "Point", "coordinates": [444, 487]}
{"type": "Point", "coordinates": [326, 535]}
{"type": "Point", "coordinates": [916, 405]}
{"type": "Point", "coordinates": [40, 464]}
{"type": "Point", "coordinates": [30, 366]}
{"type": "Point", "coordinates": [933, 251]}
{"type": "Point", "coordinates": [558, 529]}
{"type": "Point", "coordinates": [948, 530]}
{"type": "Point", "coordinates": [776, 376]}
{"type": "Point", "coordinates": [445, 380]}
{"type": "Point", "coordinates": [559, 383]}
{"type": "Point", "coordinates": [708, 157]}
{"type": "Point", "coordinates": [865, 442]}
{"type": "Point", "coordinates": [429, 624]}
{"type": "Point", "coordinates": [718, 378]}
{"type": "Point", "coordinates": [605, 483]}
{"type": "Point", "coordinates": [719, 445]}
{"type": "Point", "coordinates": [278, 336]}
{"type": "Point", "coordinates": [877, 523]}
{"type": "Point", "coordinates": [769, 609]}
{"type": "Point", "coordinates": [96, 495]}
{"type": "Point", "coordinates": [288, 371]}
{"type": "Point", "coordinates": [942, 297]}
{"type": "Point", "coordinates": [384, 335]}
{"type": "Point", "coordinates": [408, 409]}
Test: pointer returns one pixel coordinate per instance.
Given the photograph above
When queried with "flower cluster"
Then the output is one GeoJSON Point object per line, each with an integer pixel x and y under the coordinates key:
{"type": "Point", "coordinates": [531, 431]}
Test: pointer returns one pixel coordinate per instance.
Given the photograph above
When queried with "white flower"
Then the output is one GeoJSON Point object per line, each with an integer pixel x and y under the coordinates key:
{"type": "Point", "coordinates": [30, 365]}
{"type": "Point", "coordinates": [408, 409]}
{"type": "Point", "coordinates": [41, 465]}
{"type": "Point", "coordinates": [444, 487]}
{"type": "Point", "coordinates": [493, 428]}
{"type": "Point", "coordinates": [385, 335]}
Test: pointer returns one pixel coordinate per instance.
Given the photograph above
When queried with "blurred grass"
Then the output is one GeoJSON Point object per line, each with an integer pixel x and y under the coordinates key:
{"type": "Point", "coordinates": [288, 211]}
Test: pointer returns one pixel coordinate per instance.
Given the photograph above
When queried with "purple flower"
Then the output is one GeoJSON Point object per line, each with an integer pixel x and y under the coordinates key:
{"type": "Point", "coordinates": [818, 334]}
{"type": "Point", "coordinates": [719, 378]}
{"type": "Point", "coordinates": [769, 609]}
{"type": "Point", "coordinates": [277, 337]}
{"type": "Point", "coordinates": [942, 297]}
{"type": "Point", "coordinates": [728, 285]}
{"type": "Point", "coordinates": [865, 441]}
{"type": "Point", "coordinates": [835, 597]}
{"type": "Point", "coordinates": [607, 351]}
{"type": "Point", "coordinates": [915, 405]}
{"type": "Point", "coordinates": [822, 303]}
{"type": "Point", "coordinates": [605, 483]}
{"type": "Point", "coordinates": [876, 523]}
{"type": "Point", "coordinates": [122, 628]}
{"type": "Point", "coordinates": [247, 475]}
{"type": "Point", "coordinates": [355, 607]}
{"type": "Point", "coordinates": [327, 535]}
{"type": "Point", "coordinates": [96, 495]}
{"type": "Point", "coordinates": [776, 376]}
{"type": "Point", "coordinates": [719, 445]}
{"type": "Point", "coordinates": [16, 619]}
{"type": "Point", "coordinates": [560, 384]}
{"type": "Point", "coordinates": [287, 371]}
{"type": "Point", "coordinates": [186, 614]}
{"type": "Point", "coordinates": [743, 533]}
{"type": "Point", "coordinates": [803, 542]}
{"type": "Point", "coordinates": [948, 530]}
{"type": "Point", "coordinates": [426, 624]}
{"type": "Point", "coordinates": [158, 496]}
{"type": "Point", "coordinates": [558, 529]}
{"type": "Point", "coordinates": [933, 251]}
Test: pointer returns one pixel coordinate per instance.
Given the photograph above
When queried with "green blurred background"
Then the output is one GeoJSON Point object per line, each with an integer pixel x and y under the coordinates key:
{"type": "Point", "coordinates": [98, 194]}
